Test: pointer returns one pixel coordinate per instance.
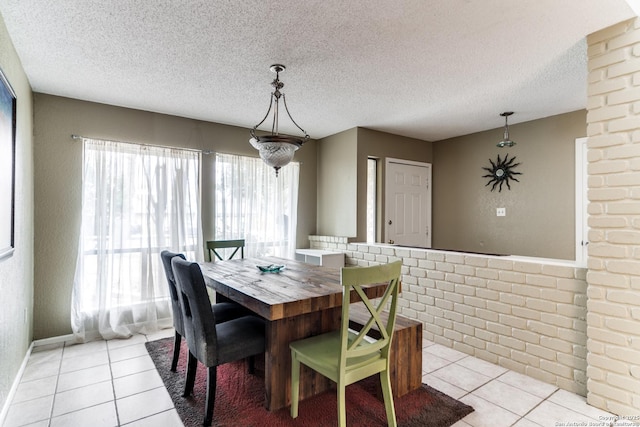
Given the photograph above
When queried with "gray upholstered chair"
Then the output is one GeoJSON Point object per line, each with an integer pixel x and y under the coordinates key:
{"type": "Point", "coordinates": [211, 343]}
{"type": "Point", "coordinates": [224, 310]}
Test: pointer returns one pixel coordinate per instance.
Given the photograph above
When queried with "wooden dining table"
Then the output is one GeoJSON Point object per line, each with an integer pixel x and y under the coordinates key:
{"type": "Point", "coordinates": [300, 301]}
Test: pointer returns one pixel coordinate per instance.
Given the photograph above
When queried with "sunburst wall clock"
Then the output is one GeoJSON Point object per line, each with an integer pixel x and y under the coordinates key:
{"type": "Point", "coordinates": [501, 172]}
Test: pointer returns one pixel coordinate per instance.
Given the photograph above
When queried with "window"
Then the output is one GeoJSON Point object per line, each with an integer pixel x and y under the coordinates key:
{"type": "Point", "coordinates": [137, 200]}
{"type": "Point", "coordinates": [372, 200]}
{"type": "Point", "coordinates": [251, 203]}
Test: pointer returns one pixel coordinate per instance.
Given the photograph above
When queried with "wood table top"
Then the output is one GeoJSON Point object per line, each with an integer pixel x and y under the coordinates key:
{"type": "Point", "coordinates": [298, 289]}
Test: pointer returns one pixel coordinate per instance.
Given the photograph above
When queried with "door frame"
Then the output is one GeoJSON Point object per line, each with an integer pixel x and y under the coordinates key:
{"type": "Point", "coordinates": [387, 183]}
{"type": "Point", "coordinates": [582, 202]}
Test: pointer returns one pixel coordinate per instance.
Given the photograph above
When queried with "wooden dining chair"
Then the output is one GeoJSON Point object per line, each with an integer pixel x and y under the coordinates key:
{"type": "Point", "coordinates": [214, 245]}
{"type": "Point", "coordinates": [224, 310]}
{"type": "Point", "coordinates": [210, 342]}
{"type": "Point", "coordinates": [347, 355]}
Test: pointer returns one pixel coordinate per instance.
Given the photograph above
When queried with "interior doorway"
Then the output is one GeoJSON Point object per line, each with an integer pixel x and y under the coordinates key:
{"type": "Point", "coordinates": [407, 218]}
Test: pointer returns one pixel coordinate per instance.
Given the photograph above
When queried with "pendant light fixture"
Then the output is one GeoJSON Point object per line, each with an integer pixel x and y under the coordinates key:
{"type": "Point", "coordinates": [506, 142]}
{"type": "Point", "coordinates": [276, 150]}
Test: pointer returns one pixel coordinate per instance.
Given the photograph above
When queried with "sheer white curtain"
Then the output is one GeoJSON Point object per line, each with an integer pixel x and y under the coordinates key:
{"type": "Point", "coordinates": [136, 201]}
{"type": "Point", "coordinates": [255, 205]}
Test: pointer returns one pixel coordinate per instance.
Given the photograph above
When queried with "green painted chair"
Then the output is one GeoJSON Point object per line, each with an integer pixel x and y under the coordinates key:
{"type": "Point", "coordinates": [347, 356]}
{"type": "Point", "coordinates": [214, 245]}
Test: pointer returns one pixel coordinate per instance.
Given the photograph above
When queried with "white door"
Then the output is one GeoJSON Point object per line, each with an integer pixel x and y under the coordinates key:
{"type": "Point", "coordinates": [408, 203]}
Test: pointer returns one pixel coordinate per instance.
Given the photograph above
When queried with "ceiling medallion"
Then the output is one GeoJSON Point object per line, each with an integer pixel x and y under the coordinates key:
{"type": "Point", "coordinates": [501, 172]}
{"type": "Point", "coordinates": [276, 150]}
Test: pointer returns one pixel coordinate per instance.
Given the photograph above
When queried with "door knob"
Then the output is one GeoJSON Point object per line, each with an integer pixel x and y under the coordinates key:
{"type": "Point", "coordinates": [390, 222]}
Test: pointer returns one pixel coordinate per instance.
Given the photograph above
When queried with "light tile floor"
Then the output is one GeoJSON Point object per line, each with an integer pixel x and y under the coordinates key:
{"type": "Point", "coordinates": [114, 383]}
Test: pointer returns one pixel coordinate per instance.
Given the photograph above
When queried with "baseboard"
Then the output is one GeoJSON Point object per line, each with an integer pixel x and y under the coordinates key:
{"type": "Point", "coordinates": [62, 339]}
{"type": "Point", "coordinates": [14, 386]}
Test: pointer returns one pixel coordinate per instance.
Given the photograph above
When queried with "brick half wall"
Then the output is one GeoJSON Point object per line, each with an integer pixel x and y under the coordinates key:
{"type": "Point", "coordinates": [528, 315]}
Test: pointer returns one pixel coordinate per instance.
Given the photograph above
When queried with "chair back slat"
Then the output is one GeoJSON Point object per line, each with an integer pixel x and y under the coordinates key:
{"type": "Point", "coordinates": [355, 278]}
{"type": "Point", "coordinates": [214, 245]}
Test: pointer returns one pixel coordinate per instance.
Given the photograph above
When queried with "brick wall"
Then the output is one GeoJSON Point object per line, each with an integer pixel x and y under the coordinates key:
{"type": "Point", "coordinates": [524, 314]}
{"type": "Point", "coordinates": [613, 320]}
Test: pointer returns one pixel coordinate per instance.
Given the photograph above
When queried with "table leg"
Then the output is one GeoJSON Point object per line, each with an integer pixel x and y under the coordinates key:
{"type": "Point", "coordinates": [279, 334]}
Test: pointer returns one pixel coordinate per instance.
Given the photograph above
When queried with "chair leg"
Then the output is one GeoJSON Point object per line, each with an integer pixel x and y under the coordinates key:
{"type": "Point", "coordinates": [176, 351]}
{"type": "Point", "coordinates": [211, 395]}
{"type": "Point", "coordinates": [385, 382]}
{"type": "Point", "coordinates": [192, 366]}
{"type": "Point", "coordinates": [252, 365]}
{"type": "Point", "coordinates": [342, 410]}
{"type": "Point", "coordinates": [295, 384]}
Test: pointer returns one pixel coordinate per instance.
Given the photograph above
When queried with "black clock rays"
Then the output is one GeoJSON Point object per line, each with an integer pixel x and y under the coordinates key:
{"type": "Point", "coordinates": [501, 172]}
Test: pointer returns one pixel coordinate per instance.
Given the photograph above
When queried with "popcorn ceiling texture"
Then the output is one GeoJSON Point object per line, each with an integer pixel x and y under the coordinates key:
{"type": "Point", "coordinates": [424, 69]}
{"type": "Point", "coordinates": [613, 117]}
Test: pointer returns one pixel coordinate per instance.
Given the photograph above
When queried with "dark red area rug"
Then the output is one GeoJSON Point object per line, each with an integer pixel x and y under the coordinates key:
{"type": "Point", "coordinates": [240, 399]}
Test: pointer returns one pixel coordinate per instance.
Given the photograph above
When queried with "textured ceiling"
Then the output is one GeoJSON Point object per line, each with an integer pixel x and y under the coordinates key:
{"type": "Point", "coordinates": [428, 69]}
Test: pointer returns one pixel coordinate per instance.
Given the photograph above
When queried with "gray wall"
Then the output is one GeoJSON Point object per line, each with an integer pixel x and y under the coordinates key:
{"type": "Point", "coordinates": [16, 271]}
{"type": "Point", "coordinates": [58, 167]}
{"type": "Point", "coordinates": [540, 218]}
{"type": "Point", "coordinates": [342, 176]}
{"type": "Point", "coordinates": [337, 184]}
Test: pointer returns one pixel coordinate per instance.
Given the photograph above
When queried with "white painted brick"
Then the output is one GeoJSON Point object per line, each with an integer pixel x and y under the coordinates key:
{"type": "Point", "coordinates": [525, 358]}
{"type": "Point", "coordinates": [540, 351]}
{"type": "Point", "coordinates": [475, 302]}
{"type": "Point", "coordinates": [445, 286]}
{"type": "Point", "coordinates": [453, 335]}
{"type": "Point", "coordinates": [526, 336]}
{"type": "Point", "coordinates": [607, 113]}
{"type": "Point", "coordinates": [512, 277]}
{"type": "Point", "coordinates": [464, 309]}
{"type": "Point", "coordinates": [511, 299]}
{"type": "Point", "coordinates": [526, 290]}
{"type": "Point", "coordinates": [499, 307]}
{"type": "Point", "coordinates": [454, 278]}
{"type": "Point", "coordinates": [474, 342]}
{"type": "Point", "coordinates": [454, 297]}
{"type": "Point", "coordinates": [629, 66]}
{"type": "Point", "coordinates": [455, 317]}
{"type": "Point", "coordinates": [426, 264]}
{"type": "Point", "coordinates": [527, 267]}
{"type": "Point", "coordinates": [488, 294]}
{"type": "Point", "coordinates": [526, 313]}
{"type": "Point", "coordinates": [556, 295]}
{"type": "Point", "coordinates": [477, 282]}
{"type": "Point", "coordinates": [512, 322]}
{"type": "Point", "coordinates": [463, 348]}
{"type": "Point", "coordinates": [542, 328]}
{"type": "Point", "coordinates": [444, 267]}
{"type": "Point", "coordinates": [606, 86]}
{"type": "Point", "coordinates": [574, 337]}
{"type": "Point", "coordinates": [486, 336]}
{"type": "Point", "coordinates": [500, 264]}
{"type": "Point", "coordinates": [499, 350]}
{"type": "Point", "coordinates": [454, 258]}
{"type": "Point", "coordinates": [556, 368]}
{"type": "Point", "coordinates": [607, 59]}
{"type": "Point", "coordinates": [541, 305]}
{"type": "Point", "coordinates": [541, 281]}
{"type": "Point", "coordinates": [487, 273]}
{"type": "Point", "coordinates": [608, 33]}
{"type": "Point", "coordinates": [475, 261]}
{"type": "Point", "coordinates": [551, 320]}
{"type": "Point", "coordinates": [488, 315]}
